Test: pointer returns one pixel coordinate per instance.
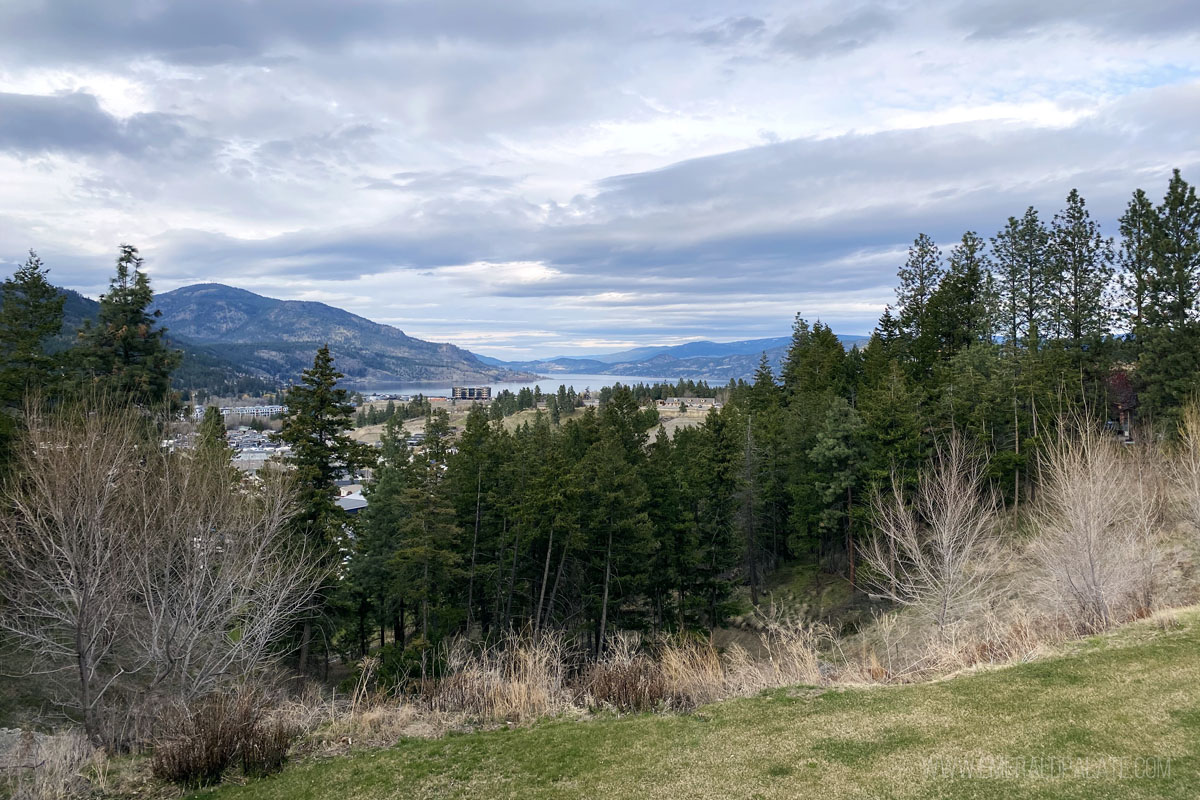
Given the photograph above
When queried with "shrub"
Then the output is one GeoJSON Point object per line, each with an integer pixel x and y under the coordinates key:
{"type": "Point", "coordinates": [264, 750]}
{"type": "Point", "coordinates": [197, 745]}
{"type": "Point", "coordinates": [1100, 550]}
{"type": "Point", "coordinates": [50, 767]}
{"type": "Point", "coordinates": [626, 680]}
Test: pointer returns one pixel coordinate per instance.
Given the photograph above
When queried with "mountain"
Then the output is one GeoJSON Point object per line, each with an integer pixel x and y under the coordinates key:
{"type": "Point", "coordinates": [705, 349]}
{"type": "Point", "coordinates": [201, 368]}
{"type": "Point", "coordinates": [277, 338]}
{"type": "Point", "coordinates": [710, 361]}
{"type": "Point", "coordinates": [701, 349]}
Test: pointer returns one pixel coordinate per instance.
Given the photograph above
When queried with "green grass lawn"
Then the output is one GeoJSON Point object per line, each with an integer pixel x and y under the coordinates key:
{"type": "Point", "coordinates": [1117, 716]}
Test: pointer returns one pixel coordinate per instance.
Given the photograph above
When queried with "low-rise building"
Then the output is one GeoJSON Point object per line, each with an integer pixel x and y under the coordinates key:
{"type": "Point", "coordinates": [471, 393]}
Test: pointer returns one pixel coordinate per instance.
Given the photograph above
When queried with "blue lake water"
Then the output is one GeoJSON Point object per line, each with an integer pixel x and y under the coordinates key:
{"type": "Point", "coordinates": [548, 384]}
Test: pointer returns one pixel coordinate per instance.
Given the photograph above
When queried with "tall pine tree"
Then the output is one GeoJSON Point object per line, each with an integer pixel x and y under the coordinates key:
{"type": "Point", "coordinates": [125, 354]}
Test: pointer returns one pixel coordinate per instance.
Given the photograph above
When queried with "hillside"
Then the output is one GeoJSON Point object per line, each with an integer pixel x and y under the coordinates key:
{"type": "Point", "coordinates": [202, 367]}
{"type": "Point", "coordinates": [277, 338]}
{"type": "Point", "coordinates": [1113, 716]}
{"type": "Point", "coordinates": [710, 361]}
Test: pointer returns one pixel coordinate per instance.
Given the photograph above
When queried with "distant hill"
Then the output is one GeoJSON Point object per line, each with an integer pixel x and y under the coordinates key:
{"type": "Point", "coordinates": [202, 368]}
{"type": "Point", "coordinates": [232, 337]}
{"type": "Point", "coordinates": [277, 338]}
{"type": "Point", "coordinates": [710, 361]}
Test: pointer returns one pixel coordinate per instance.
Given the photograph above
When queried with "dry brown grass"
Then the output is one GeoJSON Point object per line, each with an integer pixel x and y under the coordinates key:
{"type": "Point", "coordinates": [58, 767]}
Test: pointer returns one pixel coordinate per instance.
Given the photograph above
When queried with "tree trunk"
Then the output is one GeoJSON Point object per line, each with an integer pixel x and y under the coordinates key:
{"type": "Point", "coordinates": [90, 725]}
{"type": "Point", "coordinates": [512, 581]}
{"type": "Point", "coordinates": [305, 640]}
{"type": "Point", "coordinates": [474, 545]}
{"type": "Point", "coordinates": [850, 533]}
{"type": "Point", "coordinates": [604, 601]}
{"type": "Point", "coordinates": [362, 628]}
{"type": "Point", "coordinates": [401, 638]}
{"type": "Point", "coordinates": [425, 604]}
{"type": "Point", "coordinates": [537, 618]}
{"type": "Point", "coordinates": [562, 563]}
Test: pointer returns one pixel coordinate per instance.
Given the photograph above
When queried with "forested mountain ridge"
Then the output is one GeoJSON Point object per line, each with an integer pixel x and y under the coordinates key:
{"type": "Point", "coordinates": [202, 367]}
{"type": "Point", "coordinates": [704, 360]}
{"type": "Point", "coordinates": [277, 337]}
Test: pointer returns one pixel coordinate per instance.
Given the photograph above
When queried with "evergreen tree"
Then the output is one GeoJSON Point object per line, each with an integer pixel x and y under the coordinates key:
{"type": "Point", "coordinates": [315, 427]}
{"type": "Point", "coordinates": [210, 436]}
{"type": "Point", "coordinates": [1083, 270]}
{"type": "Point", "coordinates": [1136, 258]}
{"type": "Point", "coordinates": [125, 353]}
{"type": "Point", "coordinates": [373, 568]}
{"type": "Point", "coordinates": [1176, 263]}
{"type": "Point", "coordinates": [1169, 368]}
{"type": "Point", "coordinates": [891, 413]}
{"type": "Point", "coordinates": [794, 364]}
{"type": "Point", "coordinates": [426, 559]}
{"type": "Point", "coordinates": [839, 455]}
{"type": "Point", "coordinates": [1023, 278]}
{"type": "Point", "coordinates": [30, 313]}
{"type": "Point", "coordinates": [212, 446]}
{"type": "Point", "coordinates": [919, 279]}
{"type": "Point", "coordinates": [962, 308]}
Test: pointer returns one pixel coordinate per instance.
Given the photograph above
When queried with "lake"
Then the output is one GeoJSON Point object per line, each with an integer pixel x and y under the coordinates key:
{"type": "Point", "coordinates": [548, 384]}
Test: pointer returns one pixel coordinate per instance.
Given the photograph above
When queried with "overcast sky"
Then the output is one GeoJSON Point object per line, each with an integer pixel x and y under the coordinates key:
{"type": "Point", "coordinates": [531, 177]}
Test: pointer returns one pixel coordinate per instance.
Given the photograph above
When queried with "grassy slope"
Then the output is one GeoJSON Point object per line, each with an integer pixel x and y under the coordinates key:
{"type": "Point", "coordinates": [1135, 694]}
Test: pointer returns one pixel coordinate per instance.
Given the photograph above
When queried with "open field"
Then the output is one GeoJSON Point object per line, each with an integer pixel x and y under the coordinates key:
{"type": "Point", "coordinates": [1111, 716]}
{"type": "Point", "coordinates": [670, 418]}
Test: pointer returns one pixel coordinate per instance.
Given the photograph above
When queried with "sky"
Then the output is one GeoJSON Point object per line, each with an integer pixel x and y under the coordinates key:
{"type": "Point", "coordinates": [532, 178]}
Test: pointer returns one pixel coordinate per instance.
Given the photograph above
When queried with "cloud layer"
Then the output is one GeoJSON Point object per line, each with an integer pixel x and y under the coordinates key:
{"type": "Point", "coordinates": [531, 178]}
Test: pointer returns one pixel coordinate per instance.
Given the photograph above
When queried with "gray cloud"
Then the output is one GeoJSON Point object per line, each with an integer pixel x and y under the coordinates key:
{"type": "Point", "coordinates": [1112, 18]}
{"type": "Point", "coordinates": [205, 32]}
{"type": "Point", "coordinates": [730, 31]}
{"type": "Point", "coordinates": [853, 32]}
{"type": "Point", "coordinates": [769, 218]}
{"type": "Point", "coordinates": [31, 124]}
{"type": "Point", "coordinates": [589, 170]}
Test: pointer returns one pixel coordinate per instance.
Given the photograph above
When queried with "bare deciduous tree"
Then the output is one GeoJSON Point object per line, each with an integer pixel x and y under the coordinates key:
{"type": "Point", "coordinates": [937, 553]}
{"type": "Point", "coordinates": [135, 575]}
{"type": "Point", "coordinates": [1185, 465]}
{"type": "Point", "coordinates": [1100, 528]}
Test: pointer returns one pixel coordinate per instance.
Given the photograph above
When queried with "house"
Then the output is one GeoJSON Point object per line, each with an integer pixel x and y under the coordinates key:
{"type": "Point", "coordinates": [352, 503]}
{"type": "Point", "coordinates": [702, 403]}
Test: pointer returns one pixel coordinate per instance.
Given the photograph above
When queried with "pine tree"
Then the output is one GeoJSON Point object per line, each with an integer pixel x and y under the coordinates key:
{"type": "Point", "coordinates": [794, 366]}
{"type": "Point", "coordinates": [1176, 264]}
{"type": "Point", "coordinates": [426, 559]}
{"type": "Point", "coordinates": [1023, 279]}
{"type": "Point", "coordinates": [30, 313]}
{"type": "Point", "coordinates": [764, 392]}
{"type": "Point", "coordinates": [1138, 228]}
{"type": "Point", "coordinates": [1083, 270]}
{"type": "Point", "coordinates": [839, 455]}
{"type": "Point", "coordinates": [212, 446]}
{"type": "Point", "coordinates": [125, 354]}
{"type": "Point", "coordinates": [919, 279]}
{"type": "Point", "coordinates": [1169, 367]}
{"type": "Point", "coordinates": [962, 309]}
{"type": "Point", "coordinates": [890, 408]}
{"type": "Point", "coordinates": [315, 427]}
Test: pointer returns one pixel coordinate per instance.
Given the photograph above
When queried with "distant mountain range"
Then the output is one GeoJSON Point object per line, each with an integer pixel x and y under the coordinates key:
{"type": "Point", "coordinates": [277, 338]}
{"type": "Point", "coordinates": [234, 338]}
{"type": "Point", "coordinates": [710, 361]}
